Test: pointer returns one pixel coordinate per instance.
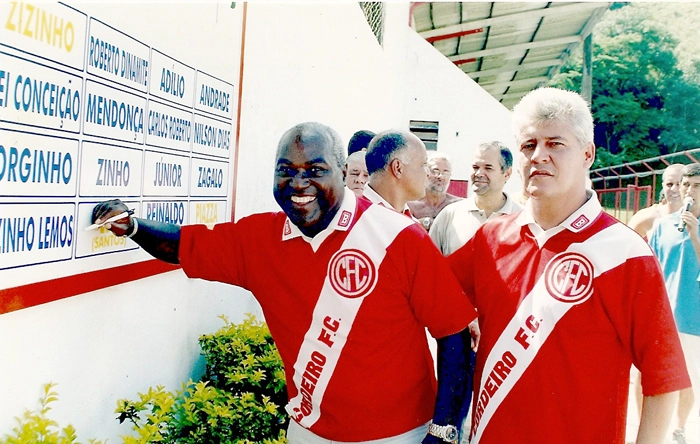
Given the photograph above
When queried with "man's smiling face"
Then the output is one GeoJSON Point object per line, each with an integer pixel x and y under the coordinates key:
{"type": "Point", "coordinates": [308, 182]}
{"type": "Point", "coordinates": [487, 174]}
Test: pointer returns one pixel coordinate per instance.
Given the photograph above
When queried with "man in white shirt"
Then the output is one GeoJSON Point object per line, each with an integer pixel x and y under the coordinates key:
{"type": "Point", "coordinates": [491, 167]}
{"type": "Point", "coordinates": [456, 223]}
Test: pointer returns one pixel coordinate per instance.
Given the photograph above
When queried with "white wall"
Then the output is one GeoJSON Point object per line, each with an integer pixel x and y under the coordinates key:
{"type": "Point", "coordinates": [109, 344]}
{"type": "Point", "coordinates": [467, 115]}
{"type": "Point", "coordinates": [316, 61]}
{"type": "Point", "coordinates": [304, 61]}
{"type": "Point", "coordinates": [113, 343]}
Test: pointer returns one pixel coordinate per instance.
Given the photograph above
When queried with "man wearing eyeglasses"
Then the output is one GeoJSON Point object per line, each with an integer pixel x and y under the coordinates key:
{"type": "Point", "coordinates": [436, 196]}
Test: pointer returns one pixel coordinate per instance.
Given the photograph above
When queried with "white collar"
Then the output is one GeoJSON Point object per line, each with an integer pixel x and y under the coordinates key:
{"type": "Point", "coordinates": [507, 208]}
{"type": "Point", "coordinates": [578, 221]}
{"type": "Point", "coordinates": [376, 198]}
{"type": "Point", "coordinates": [341, 222]}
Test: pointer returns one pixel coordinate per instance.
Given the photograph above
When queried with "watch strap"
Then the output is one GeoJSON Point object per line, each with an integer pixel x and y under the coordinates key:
{"type": "Point", "coordinates": [442, 431]}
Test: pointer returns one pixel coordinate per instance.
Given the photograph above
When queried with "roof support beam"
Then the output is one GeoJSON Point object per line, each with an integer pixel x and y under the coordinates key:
{"type": "Point", "coordinates": [509, 68]}
{"type": "Point", "coordinates": [510, 96]}
{"type": "Point", "coordinates": [463, 61]}
{"type": "Point", "coordinates": [514, 83]}
{"type": "Point", "coordinates": [454, 35]}
{"type": "Point", "coordinates": [516, 48]}
{"type": "Point", "coordinates": [534, 14]}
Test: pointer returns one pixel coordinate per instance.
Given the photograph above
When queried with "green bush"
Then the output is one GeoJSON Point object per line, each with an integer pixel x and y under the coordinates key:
{"type": "Point", "coordinates": [238, 400]}
{"type": "Point", "coordinates": [37, 428]}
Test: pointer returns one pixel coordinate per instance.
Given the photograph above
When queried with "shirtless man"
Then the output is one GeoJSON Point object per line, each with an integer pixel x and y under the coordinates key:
{"type": "Point", "coordinates": [436, 196]}
{"type": "Point", "coordinates": [643, 221]}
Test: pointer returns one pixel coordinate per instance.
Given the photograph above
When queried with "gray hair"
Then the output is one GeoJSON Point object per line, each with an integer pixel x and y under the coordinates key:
{"type": "Point", "coordinates": [434, 156]}
{"type": "Point", "coordinates": [546, 105]}
{"type": "Point", "coordinates": [319, 133]}
{"type": "Point", "coordinates": [506, 157]}
{"type": "Point", "coordinates": [357, 155]}
{"type": "Point", "coordinates": [691, 170]}
{"type": "Point", "coordinates": [385, 147]}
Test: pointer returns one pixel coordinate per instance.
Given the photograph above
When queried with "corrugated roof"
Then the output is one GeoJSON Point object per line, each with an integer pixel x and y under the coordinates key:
{"type": "Point", "coordinates": [509, 48]}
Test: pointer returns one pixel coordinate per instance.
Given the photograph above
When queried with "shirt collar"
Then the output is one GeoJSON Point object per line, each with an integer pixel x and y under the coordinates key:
{"type": "Point", "coordinates": [374, 197]}
{"type": "Point", "coordinates": [510, 206]}
{"type": "Point", "coordinates": [579, 220]}
{"type": "Point", "coordinates": [471, 203]}
{"type": "Point", "coordinates": [341, 221]}
{"type": "Point", "coordinates": [507, 208]}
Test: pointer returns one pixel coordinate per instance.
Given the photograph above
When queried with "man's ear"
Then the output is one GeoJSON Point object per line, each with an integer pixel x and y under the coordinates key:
{"type": "Point", "coordinates": [589, 154]}
{"type": "Point", "coordinates": [345, 171]}
{"type": "Point", "coordinates": [508, 172]}
{"type": "Point", "coordinates": [396, 168]}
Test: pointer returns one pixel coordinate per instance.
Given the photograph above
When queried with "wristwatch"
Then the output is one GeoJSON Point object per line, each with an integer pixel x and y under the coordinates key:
{"type": "Point", "coordinates": [447, 433]}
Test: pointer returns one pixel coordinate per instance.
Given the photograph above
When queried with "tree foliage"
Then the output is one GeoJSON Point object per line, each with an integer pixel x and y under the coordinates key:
{"type": "Point", "coordinates": [643, 103]}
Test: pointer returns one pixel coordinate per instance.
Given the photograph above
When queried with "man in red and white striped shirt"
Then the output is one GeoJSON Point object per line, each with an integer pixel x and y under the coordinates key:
{"type": "Point", "coordinates": [347, 288]}
{"type": "Point", "coordinates": [397, 163]}
{"type": "Point", "coordinates": [568, 299]}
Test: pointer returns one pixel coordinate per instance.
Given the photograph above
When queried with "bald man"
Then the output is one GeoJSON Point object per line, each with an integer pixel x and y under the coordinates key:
{"type": "Point", "coordinates": [436, 196]}
{"type": "Point", "coordinates": [397, 162]}
{"type": "Point", "coordinates": [643, 220]}
{"type": "Point", "coordinates": [347, 288]}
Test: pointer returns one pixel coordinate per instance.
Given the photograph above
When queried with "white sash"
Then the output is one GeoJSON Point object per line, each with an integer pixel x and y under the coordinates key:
{"type": "Point", "coordinates": [352, 275]}
{"type": "Point", "coordinates": [566, 281]}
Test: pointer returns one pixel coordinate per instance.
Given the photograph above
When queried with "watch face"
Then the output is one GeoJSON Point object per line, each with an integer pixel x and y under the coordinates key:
{"type": "Point", "coordinates": [451, 433]}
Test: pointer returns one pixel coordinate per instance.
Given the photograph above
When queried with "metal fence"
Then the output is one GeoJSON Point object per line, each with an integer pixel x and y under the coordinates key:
{"type": "Point", "coordinates": [622, 203]}
{"type": "Point", "coordinates": [627, 188]}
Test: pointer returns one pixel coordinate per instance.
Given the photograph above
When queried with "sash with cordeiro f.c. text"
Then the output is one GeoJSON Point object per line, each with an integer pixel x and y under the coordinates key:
{"type": "Point", "coordinates": [351, 276]}
{"type": "Point", "coordinates": [567, 281]}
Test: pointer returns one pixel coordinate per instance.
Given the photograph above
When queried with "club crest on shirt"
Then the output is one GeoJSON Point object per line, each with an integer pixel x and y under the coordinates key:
{"type": "Point", "coordinates": [352, 273]}
{"type": "Point", "coordinates": [569, 277]}
{"type": "Point", "coordinates": [580, 222]}
{"type": "Point", "coordinates": [345, 218]}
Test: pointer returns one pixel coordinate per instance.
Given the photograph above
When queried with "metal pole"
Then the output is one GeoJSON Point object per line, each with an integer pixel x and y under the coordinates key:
{"type": "Point", "coordinates": [586, 81]}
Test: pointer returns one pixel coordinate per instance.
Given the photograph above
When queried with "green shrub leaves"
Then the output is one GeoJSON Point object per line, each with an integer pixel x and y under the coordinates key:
{"type": "Point", "coordinates": [239, 399]}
